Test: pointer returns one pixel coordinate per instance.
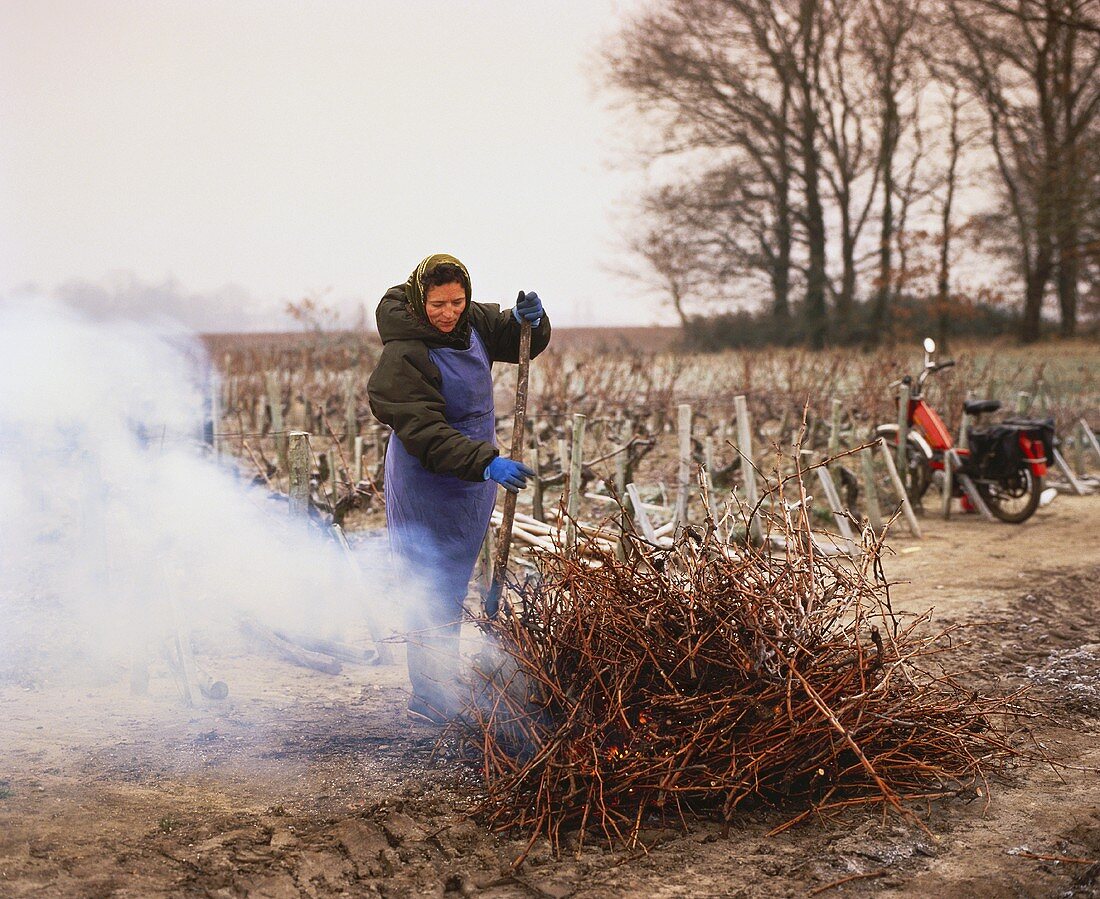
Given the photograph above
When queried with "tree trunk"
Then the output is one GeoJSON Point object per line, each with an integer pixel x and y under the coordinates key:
{"type": "Point", "coordinates": [881, 313]}
{"type": "Point", "coordinates": [1036, 287]}
{"type": "Point", "coordinates": [1068, 272]}
{"type": "Point", "coordinates": [943, 278]}
{"type": "Point", "coordinates": [846, 298]}
{"type": "Point", "coordinates": [784, 230]}
{"type": "Point", "coordinates": [811, 164]}
{"type": "Point", "coordinates": [781, 276]}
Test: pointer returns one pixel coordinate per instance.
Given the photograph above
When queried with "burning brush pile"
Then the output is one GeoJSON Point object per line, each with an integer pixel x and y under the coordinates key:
{"type": "Point", "coordinates": [705, 679]}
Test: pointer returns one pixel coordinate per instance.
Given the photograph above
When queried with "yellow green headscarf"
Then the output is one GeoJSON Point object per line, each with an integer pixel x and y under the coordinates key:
{"type": "Point", "coordinates": [414, 287]}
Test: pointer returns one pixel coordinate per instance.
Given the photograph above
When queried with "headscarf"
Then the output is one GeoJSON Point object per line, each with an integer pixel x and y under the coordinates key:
{"type": "Point", "coordinates": [415, 294]}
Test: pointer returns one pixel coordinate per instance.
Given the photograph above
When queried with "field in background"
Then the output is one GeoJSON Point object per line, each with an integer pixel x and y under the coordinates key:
{"type": "Point", "coordinates": [318, 382]}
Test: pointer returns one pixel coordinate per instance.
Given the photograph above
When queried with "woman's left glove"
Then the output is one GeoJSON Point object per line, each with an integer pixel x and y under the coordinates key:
{"type": "Point", "coordinates": [510, 474]}
{"type": "Point", "coordinates": [529, 307]}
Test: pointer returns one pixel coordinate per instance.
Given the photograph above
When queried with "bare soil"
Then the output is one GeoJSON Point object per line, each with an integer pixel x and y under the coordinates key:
{"type": "Point", "coordinates": [304, 784]}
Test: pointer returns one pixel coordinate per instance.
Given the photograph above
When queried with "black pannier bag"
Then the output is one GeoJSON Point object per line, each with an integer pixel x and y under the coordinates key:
{"type": "Point", "coordinates": [1041, 429]}
{"type": "Point", "coordinates": [995, 452]}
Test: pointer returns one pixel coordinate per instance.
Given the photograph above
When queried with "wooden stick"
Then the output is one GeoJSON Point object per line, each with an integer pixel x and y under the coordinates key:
{"type": "Point", "coordinates": [351, 413]}
{"type": "Point", "coordinates": [298, 463]}
{"type": "Point", "coordinates": [215, 415]}
{"type": "Point", "coordinates": [335, 648]}
{"type": "Point", "coordinates": [836, 507]}
{"type": "Point", "coordinates": [748, 470]}
{"type": "Point", "coordinates": [964, 429]}
{"type": "Point", "coordinates": [537, 510]}
{"type": "Point", "coordinates": [880, 873]}
{"type": "Point", "coordinates": [519, 424]}
{"type": "Point", "coordinates": [289, 651]}
{"type": "Point", "coordinates": [209, 686]}
{"type": "Point", "coordinates": [575, 463]}
{"type": "Point", "coordinates": [384, 653]}
{"type": "Point", "coordinates": [640, 515]}
{"type": "Point", "coordinates": [874, 511]}
{"type": "Point", "coordinates": [651, 507]}
{"type": "Point", "coordinates": [171, 650]}
{"type": "Point", "coordinates": [968, 486]}
{"type": "Point", "coordinates": [708, 480]}
{"type": "Point", "coordinates": [1090, 435]}
{"type": "Point", "coordinates": [683, 478]}
{"type": "Point", "coordinates": [907, 508]}
{"type": "Point", "coordinates": [275, 404]}
{"type": "Point", "coordinates": [1067, 473]}
{"type": "Point", "coordinates": [904, 394]}
{"type": "Point", "coordinates": [834, 429]}
{"type": "Point", "coordinates": [948, 486]}
{"type": "Point", "coordinates": [181, 639]}
{"type": "Point", "coordinates": [358, 457]}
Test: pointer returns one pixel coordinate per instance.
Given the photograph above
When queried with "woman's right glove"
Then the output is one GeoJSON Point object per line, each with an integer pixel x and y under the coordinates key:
{"type": "Point", "coordinates": [510, 474]}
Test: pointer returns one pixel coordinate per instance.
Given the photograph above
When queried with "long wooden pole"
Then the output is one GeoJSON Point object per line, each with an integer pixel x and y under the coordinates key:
{"type": "Point", "coordinates": [519, 424]}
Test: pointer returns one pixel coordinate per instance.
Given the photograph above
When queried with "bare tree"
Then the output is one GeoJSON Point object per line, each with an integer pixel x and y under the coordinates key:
{"type": "Point", "coordinates": [848, 138]}
{"type": "Point", "coordinates": [887, 50]}
{"type": "Point", "coordinates": [673, 249]}
{"type": "Point", "coordinates": [1034, 66]}
{"type": "Point", "coordinates": [714, 74]}
{"type": "Point", "coordinates": [956, 140]}
{"type": "Point", "coordinates": [804, 68]}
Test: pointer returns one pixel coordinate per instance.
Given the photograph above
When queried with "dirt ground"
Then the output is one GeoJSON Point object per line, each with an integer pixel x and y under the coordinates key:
{"type": "Point", "coordinates": [305, 784]}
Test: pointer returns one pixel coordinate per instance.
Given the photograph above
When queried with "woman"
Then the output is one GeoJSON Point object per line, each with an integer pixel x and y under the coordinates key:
{"type": "Point", "coordinates": [433, 387]}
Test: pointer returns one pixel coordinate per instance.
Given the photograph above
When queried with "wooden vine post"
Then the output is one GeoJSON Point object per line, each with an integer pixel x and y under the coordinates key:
{"type": "Point", "coordinates": [298, 461]}
{"type": "Point", "coordinates": [573, 502]}
{"type": "Point", "coordinates": [275, 404]}
{"type": "Point", "coordinates": [351, 413]}
{"type": "Point", "coordinates": [834, 429]}
{"type": "Point", "coordinates": [902, 470]}
{"type": "Point", "coordinates": [748, 470]}
{"type": "Point", "coordinates": [874, 511]}
{"type": "Point", "coordinates": [683, 479]}
{"type": "Point", "coordinates": [537, 487]}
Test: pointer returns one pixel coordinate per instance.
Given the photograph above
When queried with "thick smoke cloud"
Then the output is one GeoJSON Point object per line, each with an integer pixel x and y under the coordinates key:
{"type": "Point", "coordinates": [114, 527]}
{"type": "Point", "coordinates": [123, 295]}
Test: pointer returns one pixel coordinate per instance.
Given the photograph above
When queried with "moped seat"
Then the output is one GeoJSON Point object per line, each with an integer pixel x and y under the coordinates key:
{"type": "Point", "coordinates": [978, 407]}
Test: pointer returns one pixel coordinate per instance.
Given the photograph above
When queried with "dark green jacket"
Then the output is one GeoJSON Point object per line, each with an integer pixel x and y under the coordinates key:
{"type": "Point", "coordinates": [405, 388]}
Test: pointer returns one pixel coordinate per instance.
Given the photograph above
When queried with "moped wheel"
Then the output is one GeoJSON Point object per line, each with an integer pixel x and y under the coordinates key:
{"type": "Point", "coordinates": [918, 477]}
{"type": "Point", "coordinates": [1013, 499]}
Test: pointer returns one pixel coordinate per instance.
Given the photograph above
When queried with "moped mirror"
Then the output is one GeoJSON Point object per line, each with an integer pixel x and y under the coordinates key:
{"type": "Point", "coordinates": [929, 345]}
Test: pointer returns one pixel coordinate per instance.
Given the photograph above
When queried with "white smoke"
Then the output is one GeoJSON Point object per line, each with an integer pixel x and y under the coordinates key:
{"type": "Point", "coordinates": [114, 528]}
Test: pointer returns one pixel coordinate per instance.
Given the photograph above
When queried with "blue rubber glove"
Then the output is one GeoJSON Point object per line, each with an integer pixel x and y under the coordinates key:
{"type": "Point", "coordinates": [528, 306]}
{"type": "Point", "coordinates": [511, 475]}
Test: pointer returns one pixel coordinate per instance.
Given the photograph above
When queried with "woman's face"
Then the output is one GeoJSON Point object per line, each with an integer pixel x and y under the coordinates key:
{"type": "Point", "coordinates": [444, 304]}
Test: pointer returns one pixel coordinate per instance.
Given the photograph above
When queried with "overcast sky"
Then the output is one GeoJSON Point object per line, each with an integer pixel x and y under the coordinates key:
{"type": "Point", "coordinates": [217, 158]}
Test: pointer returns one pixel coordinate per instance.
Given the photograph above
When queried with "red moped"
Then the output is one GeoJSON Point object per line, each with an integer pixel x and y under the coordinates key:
{"type": "Point", "coordinates": [1006, 461]}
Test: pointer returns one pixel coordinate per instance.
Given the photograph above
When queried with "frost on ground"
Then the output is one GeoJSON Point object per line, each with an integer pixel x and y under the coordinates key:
{"type": "Point", "coordinates": [1074, 671]}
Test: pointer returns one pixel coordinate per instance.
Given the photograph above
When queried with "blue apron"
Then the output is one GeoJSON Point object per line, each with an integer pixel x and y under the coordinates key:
{"type": "Point", "coordinates": [438, 521]}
